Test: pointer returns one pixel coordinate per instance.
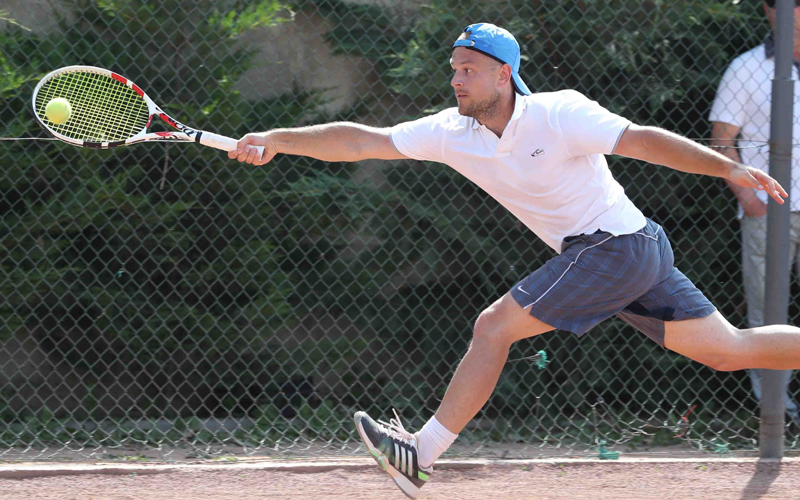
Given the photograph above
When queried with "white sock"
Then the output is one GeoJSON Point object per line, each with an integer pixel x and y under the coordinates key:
{"type": "Point", "coordinates": [433, 440]}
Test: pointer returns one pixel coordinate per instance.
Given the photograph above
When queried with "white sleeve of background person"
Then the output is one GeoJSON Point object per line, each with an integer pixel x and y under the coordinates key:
{"type": "Point", "coordinates": [421, 139]}
{"type": "Point", "coordinates": [586, 127]}
{"type": "Point", "coordinates": [731, 99]}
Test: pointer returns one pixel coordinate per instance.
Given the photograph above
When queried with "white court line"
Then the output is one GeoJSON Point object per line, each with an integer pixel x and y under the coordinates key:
{"type": "Point", "coordinates": [31, 470]}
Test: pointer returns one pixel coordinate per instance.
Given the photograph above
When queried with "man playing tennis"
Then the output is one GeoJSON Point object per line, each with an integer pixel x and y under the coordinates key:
{"type": "Point", "coordinates": [542, 157]}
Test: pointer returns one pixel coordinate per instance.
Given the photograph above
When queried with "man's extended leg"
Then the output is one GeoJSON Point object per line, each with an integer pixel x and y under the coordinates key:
{"type": "Point", "coordinates": [718, 344]}
{"type": "Point", "coordinates": [593, 278]}
{"type": "Point", "coordinates": [499, 326]}
{"type": "Point", "coordinates": [408, 457]}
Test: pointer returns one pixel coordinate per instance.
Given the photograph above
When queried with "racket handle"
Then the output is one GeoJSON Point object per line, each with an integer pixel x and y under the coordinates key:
{"type": "Point", "coordinates": [221, 142]}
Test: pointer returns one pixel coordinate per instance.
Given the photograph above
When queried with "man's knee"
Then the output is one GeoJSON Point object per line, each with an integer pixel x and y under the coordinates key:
{"type": "Point", "coordinates": [489, 326]}
{"type": "Point", "coordinates": [731, 352]}
{"type": "Point", "coordinates": [725, 363]}
{"type": "Point", "coordinates": [711, 340]}
{"type": "Point", "coordinates": [505, 322]}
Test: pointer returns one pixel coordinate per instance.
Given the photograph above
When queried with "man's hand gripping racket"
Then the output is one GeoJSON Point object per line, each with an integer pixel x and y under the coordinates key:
{"type": "Point", "coordinates": [108, 110]}
{"type": "Point", "coordinates": [256, 149]}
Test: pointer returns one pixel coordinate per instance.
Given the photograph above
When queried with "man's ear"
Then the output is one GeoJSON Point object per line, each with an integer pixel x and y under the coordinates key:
{"type": "Point", "coordinates": [505, 74]}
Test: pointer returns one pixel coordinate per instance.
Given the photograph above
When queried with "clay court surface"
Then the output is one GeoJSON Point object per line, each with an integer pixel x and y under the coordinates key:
{"type": "Point", "coordinates": [359, 478]}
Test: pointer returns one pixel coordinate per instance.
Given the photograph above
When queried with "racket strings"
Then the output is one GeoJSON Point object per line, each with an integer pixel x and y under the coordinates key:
{"type": "Point", "coordinates": [103, 109]}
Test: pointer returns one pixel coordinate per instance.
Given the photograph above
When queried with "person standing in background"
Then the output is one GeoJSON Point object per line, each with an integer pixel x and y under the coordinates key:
{"type": "Point", "coordinates": [740, 117]}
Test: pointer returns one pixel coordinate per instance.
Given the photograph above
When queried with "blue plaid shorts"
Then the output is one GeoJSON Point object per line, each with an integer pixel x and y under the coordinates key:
{"type": "Point", "coordinates": [601, 275]}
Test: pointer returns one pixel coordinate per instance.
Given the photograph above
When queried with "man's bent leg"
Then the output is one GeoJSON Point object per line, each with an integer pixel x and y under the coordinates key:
{"type": "Point", "coordinates": [718, 344]}
{"type": "Point", "coordinates": [499, 326]}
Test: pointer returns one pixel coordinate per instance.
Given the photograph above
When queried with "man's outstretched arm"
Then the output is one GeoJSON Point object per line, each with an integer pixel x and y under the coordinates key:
{"type": "Point", "coordinates": [341, 141]}
{"type": "Point", "coordinates": [661, 147]}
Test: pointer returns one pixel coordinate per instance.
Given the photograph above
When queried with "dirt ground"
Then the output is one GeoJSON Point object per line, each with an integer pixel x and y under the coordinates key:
{"type": "Point", "coordinates": [361, 479]}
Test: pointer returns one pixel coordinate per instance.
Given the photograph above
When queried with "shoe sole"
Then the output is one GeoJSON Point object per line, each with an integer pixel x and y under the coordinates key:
{"type": "Point", "coordinates": [405, 484]}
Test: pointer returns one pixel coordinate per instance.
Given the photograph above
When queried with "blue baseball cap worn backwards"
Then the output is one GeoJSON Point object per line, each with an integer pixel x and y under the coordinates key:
{"type": "Point", "coordinates": [498, 44]}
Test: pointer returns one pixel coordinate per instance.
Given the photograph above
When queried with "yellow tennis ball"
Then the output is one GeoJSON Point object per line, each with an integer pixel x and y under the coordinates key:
{"type": "Point", "coordinates": [58, 110]}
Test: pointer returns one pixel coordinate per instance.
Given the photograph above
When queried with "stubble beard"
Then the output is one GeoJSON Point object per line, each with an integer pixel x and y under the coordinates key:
{"type": "Point", "coordinates": [485, 109]}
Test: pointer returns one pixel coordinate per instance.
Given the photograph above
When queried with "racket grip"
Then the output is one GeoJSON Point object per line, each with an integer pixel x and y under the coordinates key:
{"type": "Point", "coordinates": [221, 142]}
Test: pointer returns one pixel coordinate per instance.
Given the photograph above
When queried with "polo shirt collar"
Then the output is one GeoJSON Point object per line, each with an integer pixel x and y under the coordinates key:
{"type": "Point", "coordinates": [769, 46]}
{"type": "Point", "coordinates": [519, 106]}
{"type": "Point", "coordinates": [769, 50]}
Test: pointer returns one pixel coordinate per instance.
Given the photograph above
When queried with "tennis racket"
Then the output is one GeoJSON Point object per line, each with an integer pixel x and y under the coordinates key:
{"type": "Point", "coordinates": [108, 111]}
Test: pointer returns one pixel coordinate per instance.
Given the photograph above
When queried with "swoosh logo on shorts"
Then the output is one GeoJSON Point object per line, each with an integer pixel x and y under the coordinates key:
{"type": "Point", "coordinates": [521, 290]}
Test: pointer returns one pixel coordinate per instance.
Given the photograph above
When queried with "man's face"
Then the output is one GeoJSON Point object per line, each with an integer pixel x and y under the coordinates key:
{"type": "Point", "coordinates": [477, 82]}
{"type": "Point", "coordinates": [772, 16]}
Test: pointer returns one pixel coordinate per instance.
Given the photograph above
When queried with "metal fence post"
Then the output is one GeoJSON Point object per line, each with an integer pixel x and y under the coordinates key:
{"type": "Point", "coordinates": [777, 279]}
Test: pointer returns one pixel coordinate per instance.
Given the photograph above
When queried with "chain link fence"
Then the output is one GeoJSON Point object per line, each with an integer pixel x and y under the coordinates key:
{"type": "Point", "coordinates": [161, 297]}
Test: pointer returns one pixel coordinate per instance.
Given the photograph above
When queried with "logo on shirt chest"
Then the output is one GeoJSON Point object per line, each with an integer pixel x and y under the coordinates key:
{"type": "Point", "coordinates": [538, 152]}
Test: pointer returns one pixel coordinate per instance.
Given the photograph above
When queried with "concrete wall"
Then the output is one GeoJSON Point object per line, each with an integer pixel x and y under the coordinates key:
{"type": "Point", "coordinates": [295, 55]}
{"type": "Point", "coordinates": [37, 16]}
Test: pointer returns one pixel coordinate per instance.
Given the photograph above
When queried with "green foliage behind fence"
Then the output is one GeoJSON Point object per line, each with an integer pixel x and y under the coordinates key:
{"type": "Point", "coordinates": [287, 296]}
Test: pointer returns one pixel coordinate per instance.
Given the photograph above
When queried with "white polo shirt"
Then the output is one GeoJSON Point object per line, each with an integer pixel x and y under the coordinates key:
{"type": "Point", "coordinates": [744, 99]}
{"type": "Point", "coordinates": [548, 167]}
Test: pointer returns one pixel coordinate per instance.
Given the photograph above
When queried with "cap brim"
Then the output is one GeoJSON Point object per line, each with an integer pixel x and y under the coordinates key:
{"type": "Point", "coordinates": [519, 85]}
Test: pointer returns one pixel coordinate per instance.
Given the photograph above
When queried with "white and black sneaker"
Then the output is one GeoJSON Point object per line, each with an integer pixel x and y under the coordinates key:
{"type": "Point", "coordinates": [395, 450]}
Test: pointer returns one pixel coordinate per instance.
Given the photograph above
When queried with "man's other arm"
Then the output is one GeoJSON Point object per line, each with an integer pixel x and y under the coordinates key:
{"type": "Point", "coordinates": [661, 147]}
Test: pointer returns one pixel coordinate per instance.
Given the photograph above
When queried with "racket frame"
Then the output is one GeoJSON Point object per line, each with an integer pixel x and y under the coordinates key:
{"type": "Point", "coordinates": [182, 133]}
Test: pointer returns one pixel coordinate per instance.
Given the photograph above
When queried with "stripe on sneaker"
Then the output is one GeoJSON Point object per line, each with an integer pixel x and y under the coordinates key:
{"type": "Point", "coordinates": [403, 469]}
